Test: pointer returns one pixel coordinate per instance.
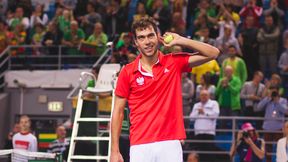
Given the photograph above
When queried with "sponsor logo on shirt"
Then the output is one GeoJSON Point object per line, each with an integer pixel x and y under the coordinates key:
{"type": "Point", "coordinates": [21, 144]}
{"type": "Point", "coordinates": [166, 70]}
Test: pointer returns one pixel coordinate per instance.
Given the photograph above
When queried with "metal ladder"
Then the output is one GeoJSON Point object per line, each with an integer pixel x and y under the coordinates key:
{"type": "Point", "coordinates": [97, 89]}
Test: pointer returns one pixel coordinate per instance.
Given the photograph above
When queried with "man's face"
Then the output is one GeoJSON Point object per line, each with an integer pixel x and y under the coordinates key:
{"type": "Point", "coordinates": [19, 12]}
{"type": "Point", "coordinates": [258, 78]}
{"type": "Point", "coordinates": [74, 27]}
{"type": "Point", "coordinates": [204, 96]}
{"type": "Point", "coordinates": [25, 124]}
{"type": "Point", "coordinates": [228, 72]}
{"type": "Point", "coordinates": [61, 132]}
{"type": "Point", "coordinates": [227, 32]}
{"type": "Point", "coordinates": [249, 20]}
{"type": "Point", "coordinates": [146, 41]}
{"type": "Point", "coordinates": [232, 51]}
{"type": "Point", "coordinates": [269, 21]}
{"type": "Point", "coordinates": [98, 29]}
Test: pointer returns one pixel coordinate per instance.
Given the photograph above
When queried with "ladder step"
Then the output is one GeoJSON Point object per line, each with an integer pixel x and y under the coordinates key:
{"type": "Point", "coordinates": [86, 157]}
{"type": "Point", "coordinates": [92, 138]}
{"type": "Point", "coordinates": [93, 120]}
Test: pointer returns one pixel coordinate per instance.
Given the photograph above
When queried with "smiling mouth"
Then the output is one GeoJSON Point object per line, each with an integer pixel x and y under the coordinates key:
{"type": "Point", "coordinates": [149, 48]}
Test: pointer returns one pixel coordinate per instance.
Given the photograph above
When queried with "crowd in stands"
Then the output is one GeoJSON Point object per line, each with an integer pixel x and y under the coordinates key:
{"type": "Point", "coordinates": [249, 78]}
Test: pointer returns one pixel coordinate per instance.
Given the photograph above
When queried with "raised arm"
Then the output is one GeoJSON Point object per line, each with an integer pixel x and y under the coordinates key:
{"type": "Point", "coordinates": [205, 51]}
{"type": "Point", "coordinates": [116, 124]}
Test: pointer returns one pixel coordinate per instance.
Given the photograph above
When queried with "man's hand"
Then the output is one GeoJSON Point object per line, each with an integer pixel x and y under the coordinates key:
{"type": "Point", "coordinates": [254, 98]}
{"type": "Point", "coordinates": [175, 41]}
{"type": "Point", "coordinates": [201, 111]}
{"type": "Point", "coordinates": [116, 157]}
{"type": "Point", "coordinates": [224, 82]}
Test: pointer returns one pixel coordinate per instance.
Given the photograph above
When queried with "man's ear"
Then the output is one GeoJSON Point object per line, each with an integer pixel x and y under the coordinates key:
{"type": "Point", "coordinates": [135, 42]}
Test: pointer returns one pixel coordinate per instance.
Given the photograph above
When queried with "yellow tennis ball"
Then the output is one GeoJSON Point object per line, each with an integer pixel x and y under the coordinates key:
{"type": "Point", "coordinates": [168, 39]}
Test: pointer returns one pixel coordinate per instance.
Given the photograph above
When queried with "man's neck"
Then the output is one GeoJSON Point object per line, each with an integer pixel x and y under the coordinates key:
{"type": "Point", "coordinates": [149, 61]}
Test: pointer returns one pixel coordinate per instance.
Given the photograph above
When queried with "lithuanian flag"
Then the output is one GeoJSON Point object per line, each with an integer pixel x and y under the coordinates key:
{"type": "Point", "coordinates": [45, 139]}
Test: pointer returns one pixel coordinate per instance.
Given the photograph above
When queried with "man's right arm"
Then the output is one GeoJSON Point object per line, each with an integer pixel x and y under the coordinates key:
{"type": "Point", "coordinates": [116, 124]}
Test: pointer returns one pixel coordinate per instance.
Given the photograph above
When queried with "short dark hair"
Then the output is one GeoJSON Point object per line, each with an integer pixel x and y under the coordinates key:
{"type": "Point", "coordinates": [144, 23]}
{"type": "Point", "coordinates": [258, 73]}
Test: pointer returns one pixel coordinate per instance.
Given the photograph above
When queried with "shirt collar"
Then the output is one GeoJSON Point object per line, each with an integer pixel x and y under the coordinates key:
{"type": "Point", "coordinates": [137, 61]}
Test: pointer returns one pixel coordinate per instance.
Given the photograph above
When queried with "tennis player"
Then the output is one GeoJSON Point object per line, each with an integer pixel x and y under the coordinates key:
{"type": "Point", "coordinates": [152, 86]}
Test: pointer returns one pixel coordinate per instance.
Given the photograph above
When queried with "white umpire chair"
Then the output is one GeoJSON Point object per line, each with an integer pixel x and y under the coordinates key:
{"type": "Point", "coordinates": [105, 83]}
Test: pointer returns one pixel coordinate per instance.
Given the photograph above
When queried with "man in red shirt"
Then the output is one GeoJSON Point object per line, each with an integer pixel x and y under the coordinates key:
{"type": "Point", "coordinates": [152, 86]}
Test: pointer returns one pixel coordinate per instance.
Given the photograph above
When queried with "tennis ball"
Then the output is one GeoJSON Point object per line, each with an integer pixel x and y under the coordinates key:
{"type": "Point", "coordinates": [168, 39]}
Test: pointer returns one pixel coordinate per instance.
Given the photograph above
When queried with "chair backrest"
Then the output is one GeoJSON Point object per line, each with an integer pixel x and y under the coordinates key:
{"type": "Point", "coordinates": [106, 75]}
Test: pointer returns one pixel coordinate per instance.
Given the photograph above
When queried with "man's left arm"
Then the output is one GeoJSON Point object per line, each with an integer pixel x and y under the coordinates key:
{"type": "Point", "coordinates": [214, 112]}
{"type": "Point", "coordinates": [205, 52]}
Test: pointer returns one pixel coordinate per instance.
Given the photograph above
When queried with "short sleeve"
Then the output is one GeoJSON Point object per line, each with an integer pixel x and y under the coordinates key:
{"type": "Point", "coordinates": [123, 84]}
{"type": "Point", "coordinates": [182, 61]}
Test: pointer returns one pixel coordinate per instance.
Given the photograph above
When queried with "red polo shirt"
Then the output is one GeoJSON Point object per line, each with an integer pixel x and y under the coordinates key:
{"type": "Point", "coordinates": [155, 101]}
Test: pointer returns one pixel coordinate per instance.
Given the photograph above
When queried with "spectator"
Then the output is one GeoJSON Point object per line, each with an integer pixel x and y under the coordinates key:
{"type": "Point", "coordinates": [3, 36]}
{"type": "Point", "coordinates": [248, 41]}
{"type": "Point", "coordinates": [19, 19]}
{"type": "Point", "coordinates": [250, 9]}
{"type": "Point", "coordinates": [98, 38]}
{"type": "Point", "coordinates": [206, 84]}
{"type": "Point", "coordinates": [227, 10]}
{"type": "Point", "coordinates": [212, 67]}
{"type": "Point", "coordinates": [283, 65]}
{"type": "Point", "coordinates": [3, 9]}
{"type": "Point", "coordinates": [203, 35]}
{"type": "Point", "coordinates": [281, 152]}
{"type": "Point", "coordinates": [248, 145]}
{"type": "Point", "coordinates": [224, 42]}
{"type": "Point", "coordinates": [187, 95]}
{"type": "Point", "coordinates": [90, 19]}
{"type": "Point", "coordinates": [126, 48]}
{"type": "Point", "coordinates": [162, 15]}
{"type": "Point", "coordinates": [8, 141]}
{"type": "Point", "coordinates": [276, 13]}
{"type": "Point", "coordinates": [65, 20]}
{"type": "Point", "coordinates": [116, 19]}
{"type": "Point", "coordinates": [178, 24]}
{"type": "Point", "coordinates": [52, 37]}
{"type": "Point", "coordinates": [251, 93]}
{"type": "Point", "coordinates": [61, 144]}
{"type": "Point", "coordinates": [38, 16]}
{"type": "Point", "coordinates": [206, 11]}
{"type": "Point", "coordinates": [140, 12]}
{"type": "Point", "coordinates": [268, 38]}
{"type": "Point", "coordinates": [237, 63]}
{"type": "Point", "coordinates": [58, 14]}
{"type": "Point", "coordinates": [24, 140]}
{"type": "Point", "coordinates": [73, 37]}
{"type": "Point", "coordinates": [283, 60]}
{"type": "Point", "coordinates": [227, 17]}
{"type": "Point", "coordinates": [275, 81]}
{"type": "Point", "coordinates": [205, 127]}
{"type": "Point", "coordinates": [228, 93]}
{"type": "Point", "coordinates": [275, 108]}
{"type": "Point", "coordinates": [193, 157]}
{"type": "Point", "coordinates": [37, 37]}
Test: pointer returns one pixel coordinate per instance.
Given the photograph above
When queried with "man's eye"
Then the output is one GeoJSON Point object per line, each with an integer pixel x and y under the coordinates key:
{"type": "Point", "coordinates": [151, 36]}
{"type": "Point", "coordinates": [140, 38]}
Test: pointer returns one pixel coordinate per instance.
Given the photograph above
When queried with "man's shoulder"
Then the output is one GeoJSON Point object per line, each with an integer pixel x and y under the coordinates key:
{"type": "Point", "coordinates": [213, 102]}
